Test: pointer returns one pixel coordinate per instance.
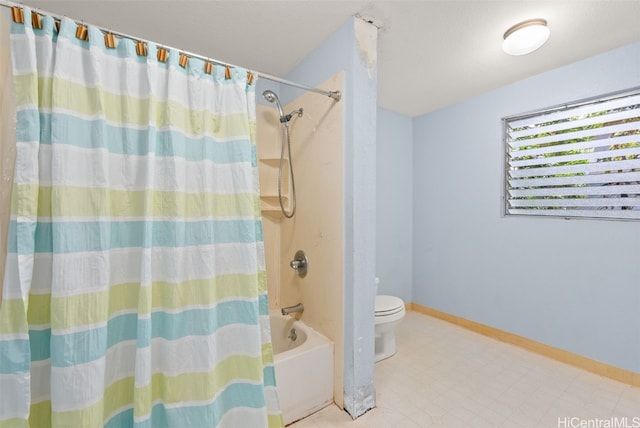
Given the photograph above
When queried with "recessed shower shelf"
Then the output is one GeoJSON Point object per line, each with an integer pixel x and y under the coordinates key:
{"type": "Point", "coordinates": [269, 205]}
{"type": "Point", "coordinates": [272, 162]}
{"type": "Point", "coordinates": [268, 169]}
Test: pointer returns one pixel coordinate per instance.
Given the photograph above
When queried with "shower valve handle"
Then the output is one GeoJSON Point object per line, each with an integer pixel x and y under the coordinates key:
{"type": "Point", "coordinates": [300, 263]}
{"type": "Point", "coordinates": [297, 264]}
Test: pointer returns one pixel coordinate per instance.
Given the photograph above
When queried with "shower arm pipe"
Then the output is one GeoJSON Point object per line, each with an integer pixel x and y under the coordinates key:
{"type": "Point", "coordinates": [335, 95]}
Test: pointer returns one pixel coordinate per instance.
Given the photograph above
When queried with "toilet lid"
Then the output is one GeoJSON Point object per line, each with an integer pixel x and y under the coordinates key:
{"type": "Point", "coordinates": [386, 305]}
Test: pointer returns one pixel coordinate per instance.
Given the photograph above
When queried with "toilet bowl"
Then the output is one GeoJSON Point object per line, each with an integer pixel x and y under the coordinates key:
{"type": "Point", "coordinates": [390, 311]}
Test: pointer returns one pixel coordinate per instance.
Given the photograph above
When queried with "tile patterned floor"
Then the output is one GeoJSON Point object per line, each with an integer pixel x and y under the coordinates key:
{"type": "Point", "coordinates": [446, 376]}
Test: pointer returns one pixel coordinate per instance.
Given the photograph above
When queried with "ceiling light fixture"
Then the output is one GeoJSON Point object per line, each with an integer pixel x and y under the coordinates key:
{"type": "Point", "coordinates": [525, 37]}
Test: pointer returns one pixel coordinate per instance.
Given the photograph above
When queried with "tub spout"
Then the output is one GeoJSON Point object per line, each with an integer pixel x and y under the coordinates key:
{"type": "Point", "coordinates": [290, 309]}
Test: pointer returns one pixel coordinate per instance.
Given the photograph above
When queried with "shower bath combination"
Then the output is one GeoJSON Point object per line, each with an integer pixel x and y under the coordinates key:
{"type": "Point", "coordinates": [286, 141]}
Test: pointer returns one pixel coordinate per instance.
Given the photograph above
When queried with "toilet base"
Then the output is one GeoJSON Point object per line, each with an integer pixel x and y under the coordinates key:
{"type": "Point", "coordinates": [385, 345]}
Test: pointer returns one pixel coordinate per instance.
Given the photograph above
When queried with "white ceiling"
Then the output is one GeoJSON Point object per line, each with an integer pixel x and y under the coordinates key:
{"type": "Point", "coordinates": [430, 53]}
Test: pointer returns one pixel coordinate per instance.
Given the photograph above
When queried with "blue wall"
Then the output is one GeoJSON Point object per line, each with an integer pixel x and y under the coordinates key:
{"type": "Point", "coordinates": [394, 206]}
{"type": "Point", "coordinates": [571, 284]}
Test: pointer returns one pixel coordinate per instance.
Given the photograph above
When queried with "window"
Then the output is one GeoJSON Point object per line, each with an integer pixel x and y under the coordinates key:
{"type": "Point", "coordinates": [576, 161]}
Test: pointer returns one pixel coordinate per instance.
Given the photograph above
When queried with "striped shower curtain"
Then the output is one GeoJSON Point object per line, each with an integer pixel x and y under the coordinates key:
{"type": "Point", "coordinates": [135, 287]}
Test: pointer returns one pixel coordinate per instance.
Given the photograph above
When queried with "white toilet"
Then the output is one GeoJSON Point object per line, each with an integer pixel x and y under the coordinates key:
{"type": "Point", "coordinates": [390, 311]}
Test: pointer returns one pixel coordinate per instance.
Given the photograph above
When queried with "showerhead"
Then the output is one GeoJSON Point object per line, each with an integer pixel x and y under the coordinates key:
{"type": "Point", "coordinates": [271, 96]}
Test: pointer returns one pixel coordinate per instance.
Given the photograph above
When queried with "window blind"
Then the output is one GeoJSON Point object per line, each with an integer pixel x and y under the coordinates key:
{"type": "Point", "coordinates": [581, 160]}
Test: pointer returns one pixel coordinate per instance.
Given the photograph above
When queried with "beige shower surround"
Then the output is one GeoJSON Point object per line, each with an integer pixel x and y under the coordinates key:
{"type": "Point", "coordinates": [317, 227]}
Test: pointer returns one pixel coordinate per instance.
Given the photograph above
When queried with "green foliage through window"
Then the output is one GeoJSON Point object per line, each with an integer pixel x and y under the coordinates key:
{"type": "Point", "coordinates": [577, 161]}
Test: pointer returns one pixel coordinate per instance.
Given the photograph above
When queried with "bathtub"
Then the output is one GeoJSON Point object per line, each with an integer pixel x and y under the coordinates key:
{"type": "Point", "coordinates": [304, 367]}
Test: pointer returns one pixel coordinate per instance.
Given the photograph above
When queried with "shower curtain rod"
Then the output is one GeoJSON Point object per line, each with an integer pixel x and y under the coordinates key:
{"type": "Point", "coordinates": [336, 95]}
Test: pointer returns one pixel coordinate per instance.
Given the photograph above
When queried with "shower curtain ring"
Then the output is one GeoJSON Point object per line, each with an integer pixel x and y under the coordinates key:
{"type": "Point", "coordinates": [36, 20]}
{"type": "Point", "coordinates": [141, 48]}
{"type": "Point", "coordinates": [110, 40]}
{"type": "Point", "coordinates": [184, 60]}
{"type": "Point", "coordinates": [17, 15]}
{"type": "Point", "coordinates": [82, 32]}
{"type": "Point", "coordinates": [162, 54]}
